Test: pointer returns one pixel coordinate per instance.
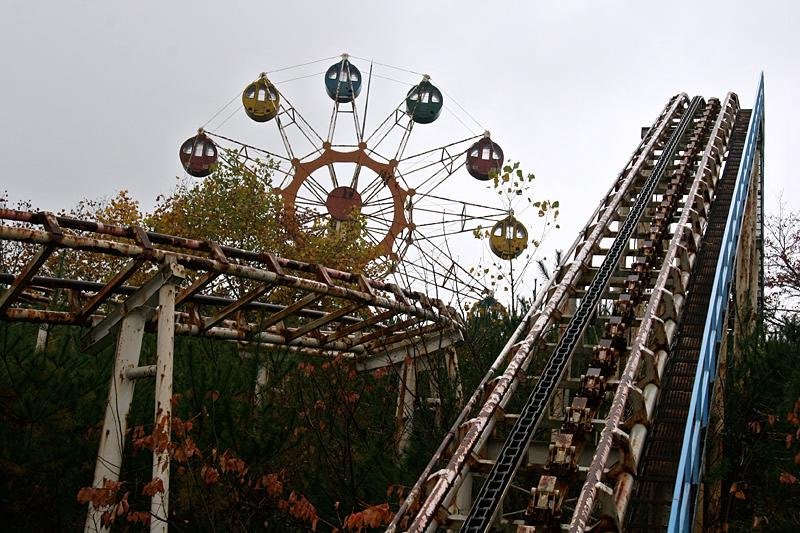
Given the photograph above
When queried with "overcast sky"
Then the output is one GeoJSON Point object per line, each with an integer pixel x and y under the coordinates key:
{"type": "Point", "coordinates": [98, 96]}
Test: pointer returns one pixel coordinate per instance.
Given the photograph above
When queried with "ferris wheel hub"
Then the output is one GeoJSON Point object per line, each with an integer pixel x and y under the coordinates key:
{"type": "Point", "coordinates": [343, 203]}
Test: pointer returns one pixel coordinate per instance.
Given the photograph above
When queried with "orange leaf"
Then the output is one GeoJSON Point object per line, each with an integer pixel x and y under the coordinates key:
{"type": "Point", "coordinates": [155, 486]}
{"type": "Point", "coordinates": [209, 474]}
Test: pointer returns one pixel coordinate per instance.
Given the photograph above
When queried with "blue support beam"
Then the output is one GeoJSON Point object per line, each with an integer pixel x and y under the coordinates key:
{"type": "Point", "coordinates": [688, 477]}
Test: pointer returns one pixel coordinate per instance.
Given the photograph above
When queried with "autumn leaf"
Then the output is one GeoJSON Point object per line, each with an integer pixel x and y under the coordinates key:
{"type": "Point", "coordinates": [271, 484]}
{"type": "Point", "coordinates": [737, 492]}
{"type": "Point", "coordinates": [754, 426]}
{"type": "Point", "coordinates": [371, 517]}
{"type": "Point", "coordinates": [209, 474]}
{"type": "Point", "coordinates": [139, 517]}
{"type": "Point", "coordinates": [154, 487]}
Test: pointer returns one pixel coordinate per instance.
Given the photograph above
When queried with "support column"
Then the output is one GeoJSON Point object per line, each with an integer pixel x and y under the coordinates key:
{"type": "Point", "coordinates": [406, 396]}
{"type": "Point", "coordinates": [451, 355]}
{"type": "Point", "coordinates": [128, 321]}
{"type": "Point", "coordinates": [41, 338]}
{"type": "Point", "coordinates": [115, 422]}
{"type": "Point", "coordinates": [159, 505]}
{"type": "Point", "coordinates": [464, 495]}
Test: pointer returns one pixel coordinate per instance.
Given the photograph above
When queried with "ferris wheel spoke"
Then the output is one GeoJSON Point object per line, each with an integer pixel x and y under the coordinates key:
{"type": "Point", "coordinates": [333, 175]}
{"type": "Point", "coordinates": [248, 146]}
{"type": "Point", "coordinates": [312, 183]}
{"type": "Point", "coordinates": [372, 189]}
{"type": "Point", "coordinates": [404, 140]}
{"type": "Point", "coordinates": [317, 216]}
{"type": "Point", "coordinates": [463, 203]}
{"type": "Point", "coordinates": [447, 161]}
{"type": "Point", "coordinates": [383, 226]}
{"type": "Point", "coordinates": [451, 233]}
{"type": "Point", "coordinates": [432, 182]}
{"type": "Point", "coordinates": [302, 124]}
{"type": "Point", "coordinates": [233, 164]}
{"type": "Point", "coordinates": [395, 114]}
{"type": "Point", "coordinates": [375, 231]}
{"type": "Point", "coordinates": [456, 217]}
{"type": "Point", "coordinates": [383, 223]}
{"type": "Point", "coordinates": [378, 215]}
{"type": "Point", "coordinates": [284, 137]}
{"type": "Point", "coordinates": [356, 173]}
{"type": "Point", "coordinates": [379, 212]}
{"type": "Point", "coordinates": [420, 165]}
{"type": "Point", "coordinates": [303, 201]}
{"type": "Point", "coordinates": [366, 103]}
{"type": "Point", "coordinates": [377, 218]}
{"type": "Point", "coordinates": [384, 201]}
{"type": "Point", "coordinates": [315, 190]}
{"type": "Point", "coordinates": [372, 238]}
{"type": "Point", "coordinates": [444, 146]}
{"type": "Point", "coordinates": [424, 273]}
{"type": "Point", "coordinates": [332, 123]}
{"type": "Point", "coordinates": [359, 131]}
{"type": "Point", "coordinates": [457, 268]}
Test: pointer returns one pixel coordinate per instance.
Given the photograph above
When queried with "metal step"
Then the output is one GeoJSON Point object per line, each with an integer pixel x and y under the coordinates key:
{"type": "Point", "coordinates": [650, 506]}
{"type": "Point", "coordinates": [511, 455]}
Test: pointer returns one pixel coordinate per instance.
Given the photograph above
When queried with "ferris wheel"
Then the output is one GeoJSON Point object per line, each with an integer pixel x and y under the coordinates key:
{"type": "Point", "coordinates": [368, 173]}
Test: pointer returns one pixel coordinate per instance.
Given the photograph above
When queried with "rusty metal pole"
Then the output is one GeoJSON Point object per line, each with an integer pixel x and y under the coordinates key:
{"type": "Point", "coordinates": [159, 505]}
{"type": "Point", "coordinates": [451, 359]}
{"type": "Point", "coordinates": [120, 394]}
{"type": "Point", "coordinates": [41, 338]}
{"type": "Point", "coordinates": [406, 396]}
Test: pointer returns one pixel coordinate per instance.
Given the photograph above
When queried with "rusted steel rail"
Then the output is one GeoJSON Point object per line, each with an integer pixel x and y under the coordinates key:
{"type": "Point", "coordinates": [148, 238]}
{"type": "Point", "coordinates": [516, 446]}
{"type": "Point", "coordinates": [590, 446]}
{"type": "Point", "coordinates": [360, 316]}
{"type": "Point", "coordinates": [641, 378]}
{"type": "Point", "coordinates": [439, 489]}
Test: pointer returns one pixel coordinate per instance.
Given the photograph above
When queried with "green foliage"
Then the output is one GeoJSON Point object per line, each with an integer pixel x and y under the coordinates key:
{"type": "Point", "coordinates": [514, 188]}
{"type": "Point", "coordinates": [49, 407]}
{"type": "Point", "coordinates": [317, 428]}
{"type": "Point", "coordinates": [312, 442]}
{"type": "Point", "coordinates": [234, 206]}
{"type": "Point", "coordinates": [762, 434]}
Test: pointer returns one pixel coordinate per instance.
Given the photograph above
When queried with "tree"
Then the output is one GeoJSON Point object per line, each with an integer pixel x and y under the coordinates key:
{"type": "Point", "coordinates": [782, 256]}
{"type": "Point", "coordinates": [237, 206]}
{"type": "Point", "coordinates": [514, 189]}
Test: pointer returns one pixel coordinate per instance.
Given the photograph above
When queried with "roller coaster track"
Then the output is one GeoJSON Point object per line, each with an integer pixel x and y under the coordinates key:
{"type": "Point", "coordinates": [516, 444]}
{"type": "Point", "coordinates": [657, 471]}
{"type": "Point", "coordinates": [658, 213]}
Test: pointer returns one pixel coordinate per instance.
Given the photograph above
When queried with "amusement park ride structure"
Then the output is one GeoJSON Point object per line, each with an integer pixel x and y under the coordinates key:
{"type": "Point", "coordinates": [593, 416]}
{"type": "Point", "coordinates": [367, 173]}
{"type": "Point", "coordinates": [282, 304]}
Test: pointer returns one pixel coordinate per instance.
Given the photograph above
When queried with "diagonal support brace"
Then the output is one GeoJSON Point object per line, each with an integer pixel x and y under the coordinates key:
{"type": "Point", "coordinates": [146, 297]}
